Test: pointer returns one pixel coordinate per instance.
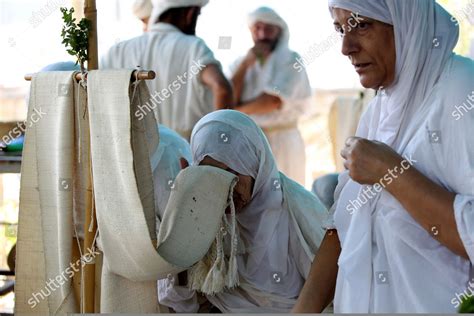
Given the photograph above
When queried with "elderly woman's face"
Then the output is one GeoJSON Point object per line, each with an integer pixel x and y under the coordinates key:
{"type": "Point", "coordinates": [370, 45]}
{"type": "Point", "coordinates": [243, 189]}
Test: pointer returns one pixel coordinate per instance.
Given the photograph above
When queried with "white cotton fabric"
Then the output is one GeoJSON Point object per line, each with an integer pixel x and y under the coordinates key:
{"type": "Point", "coordinates": [381, 241]}
{"type": "Point", "coordinates": [142, 9]}
{"type": "Point", "coordinates": [274, 237]}
{"type": "Point", "coordinates": [165, 166]}
{"type": "Point", "coordinates": [45, 232]}
{"type": "Point", "coordinates": [180, 97]}
{"type": "Point", "coordinates": [278, 77]}
{"type": "Point", "coordinates": [160, 6]}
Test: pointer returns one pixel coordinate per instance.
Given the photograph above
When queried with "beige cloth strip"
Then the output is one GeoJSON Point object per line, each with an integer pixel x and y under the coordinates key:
{"type": "Point", "coordinates": [121, 146]}
{"type": "Point", "coordinates": [46, 200]}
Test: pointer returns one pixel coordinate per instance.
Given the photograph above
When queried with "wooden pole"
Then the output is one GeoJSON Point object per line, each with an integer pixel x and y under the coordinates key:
{"type": "Point", "coordinates": [90, 13]}
{"type": "Point", "coordinates": [88, 299]}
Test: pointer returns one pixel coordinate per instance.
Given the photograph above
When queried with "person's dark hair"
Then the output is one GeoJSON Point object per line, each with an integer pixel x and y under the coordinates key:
{"type": "Point", "coordinates": [177, 17]}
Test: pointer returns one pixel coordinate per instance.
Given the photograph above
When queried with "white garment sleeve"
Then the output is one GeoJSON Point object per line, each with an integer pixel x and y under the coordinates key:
{"type": "Point", "coordinates": [342, 180]}
{"type": "Point", "coordinates": [464, 214]}
{"type": "Point", "coordinates": [179, 298]}
{"type": "Point", "coordinates": [291, 86]}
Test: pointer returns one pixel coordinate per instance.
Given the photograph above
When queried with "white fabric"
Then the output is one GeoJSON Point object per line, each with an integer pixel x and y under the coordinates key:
{"type": "Point", "coordinates": [165, 165]}
{"type": "Point", "coordinates": [160, 6]}
{"type": "Point", "coordinates": [124, 174]}
{"type": "Point", "coordinates": [343, 120]}
{"type": "Point", "coordinates": [177, 59]}
{"type": "Point", "coordinates": [381, 240]}
{"type": "Point", "coordinates": [142, 9]}
{"type": "Point", "coordinates": [271, 227]}
{"type": "Point", "coordinates": [44, 249]}
{"type": "Point", "coordinates": [278, 77]}
{"type": "Point", "coordinates": [196, 207]}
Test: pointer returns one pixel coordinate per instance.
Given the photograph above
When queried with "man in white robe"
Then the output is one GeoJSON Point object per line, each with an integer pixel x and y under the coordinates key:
{"type": "Point", "coordinates": [275, 94]}
{"type": "Point", "coordinates": [189, 82]}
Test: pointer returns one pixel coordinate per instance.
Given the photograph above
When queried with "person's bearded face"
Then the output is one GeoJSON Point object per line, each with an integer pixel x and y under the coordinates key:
{"type": "Point", "coordinates": [265, 37]}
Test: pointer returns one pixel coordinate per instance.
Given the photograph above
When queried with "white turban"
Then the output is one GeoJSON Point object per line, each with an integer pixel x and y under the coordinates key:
{"type": "Point", "coordinates": [142, 9]}
{"type": "Point", "coordinates": [269, 16]}
{"type": "Point", "coordinates": [160, 6]}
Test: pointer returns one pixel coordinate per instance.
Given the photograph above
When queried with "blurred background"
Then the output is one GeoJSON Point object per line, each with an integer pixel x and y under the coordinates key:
{"type": "Point", "coordinates": [30, 39]}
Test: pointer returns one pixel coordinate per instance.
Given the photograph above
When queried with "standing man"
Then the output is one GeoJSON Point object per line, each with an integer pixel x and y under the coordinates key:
{"type": "Point", "coordinates": [269, 89]}
{"type": "Point", "coordinates": [189, 82]}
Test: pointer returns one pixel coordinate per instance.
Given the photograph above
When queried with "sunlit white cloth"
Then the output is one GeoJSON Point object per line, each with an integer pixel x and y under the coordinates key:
{"type": "Point", "coordinates": [142, 8]}
{"type": "Point", "coordinates": [278, 77]}
{"type": "Point", "coordinates": [389, 263]}
{"type": "Point", "coordinates": [161, 6]}
{"type": "Point", "coordinates": [279, 227]}
{"type": "Point", "coordinates": [178, 96]}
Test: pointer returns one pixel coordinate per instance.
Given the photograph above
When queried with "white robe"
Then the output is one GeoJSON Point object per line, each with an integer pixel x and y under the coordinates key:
{"type": "Point", "coordinates": [388, 262]}
{"type": "Point", "coordinates": [181, 99]}
{"type": "Point", "coordinates": [280, 227]}
{"type": "Point", "coordinates": [278, 77]}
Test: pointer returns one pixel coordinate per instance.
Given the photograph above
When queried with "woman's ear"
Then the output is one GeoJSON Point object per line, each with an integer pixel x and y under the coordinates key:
{"type": "Point", "coordinates": [184, 163]}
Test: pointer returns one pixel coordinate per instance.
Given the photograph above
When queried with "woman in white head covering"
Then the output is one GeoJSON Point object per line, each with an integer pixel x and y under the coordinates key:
{"type": "Point", "coordinates": [278, 220]}
{"type": "Point", "coordinates": [404, 209]}
{"type": "Point", "coordinates": [166, 164]}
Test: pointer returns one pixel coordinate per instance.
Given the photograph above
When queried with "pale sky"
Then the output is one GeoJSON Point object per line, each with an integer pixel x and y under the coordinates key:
{"type": "Point", "coordinates": [27, 47]}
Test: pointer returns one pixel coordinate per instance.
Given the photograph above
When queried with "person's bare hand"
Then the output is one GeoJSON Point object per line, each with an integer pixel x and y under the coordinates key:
{"type": "Point", "coordinates": [250, 58]}
{"type": "Point", "coordinates": [262, 49]}
{"type": "Point", "coordinates": [368, 161]}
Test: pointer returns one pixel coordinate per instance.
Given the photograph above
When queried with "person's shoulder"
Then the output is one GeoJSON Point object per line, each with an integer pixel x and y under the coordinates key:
{"type": "Point", "coordinates": [456, 92]}
{"type": "Point", "coordinates": [132, 43]}
{"type": "Point", "coordinates": [190, 41]}
{"type": "Point", "coordinates": [295, 191]}
{"type": "Point", "coordinates": [459, 74]}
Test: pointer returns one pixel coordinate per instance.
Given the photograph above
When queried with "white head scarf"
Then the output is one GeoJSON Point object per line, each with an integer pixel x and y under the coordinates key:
{"type": "Point", "coordinates": [425, 38]}
{"type": "Point", "coordinates": [166, 165]}
{"type": "Point", "coordinates": [142, 9]}
{"type": "Point", "coordinates": [277, 72]}
{"type": "Point", "coordinates": [269, 16]}
{"type": "Point", "coordinates": [234, 139]}
{"type": "Point", "coordinates": [160, 6]}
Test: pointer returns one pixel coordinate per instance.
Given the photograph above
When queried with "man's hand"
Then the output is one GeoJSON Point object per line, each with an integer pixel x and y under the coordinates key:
{"type": "Point", "coordinates": [221, 88]}
{"type": "Point", "coordinates": [368, 161]}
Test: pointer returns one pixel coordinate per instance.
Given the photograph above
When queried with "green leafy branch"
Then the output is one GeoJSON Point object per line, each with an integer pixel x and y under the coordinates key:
{"type": "Point", "coordinates": [76, 36]}
{"type": "Point", "coordinates": [467, 306]}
